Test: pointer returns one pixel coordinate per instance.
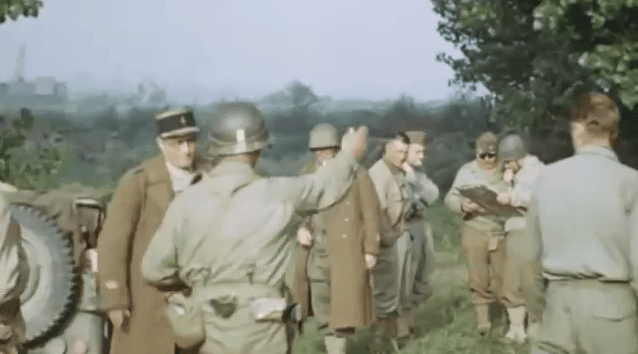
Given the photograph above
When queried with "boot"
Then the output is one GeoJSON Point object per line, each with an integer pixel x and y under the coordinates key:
{"type": "Point", "coordinates": [335, 345]}
{"type": "Point", "coordinates": [516, 331]}
{"type": "Point", "coordinates": [483, 323]}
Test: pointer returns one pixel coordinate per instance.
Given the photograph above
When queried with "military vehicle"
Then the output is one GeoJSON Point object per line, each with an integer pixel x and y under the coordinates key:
{"type": "Point", "coordinates": [60, 302]}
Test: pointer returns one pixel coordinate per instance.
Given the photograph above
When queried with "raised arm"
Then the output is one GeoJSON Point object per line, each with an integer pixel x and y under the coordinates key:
{"type": "Point", "coordinates": [522, 191]}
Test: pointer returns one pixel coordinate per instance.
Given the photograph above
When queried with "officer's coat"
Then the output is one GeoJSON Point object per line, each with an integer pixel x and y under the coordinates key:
{"type": "Point", "coordinates": [353, 229]}
{"type": "Point", "coordinates": [235, 227]}
{"type": "Point", "coordinates": [136, 210]}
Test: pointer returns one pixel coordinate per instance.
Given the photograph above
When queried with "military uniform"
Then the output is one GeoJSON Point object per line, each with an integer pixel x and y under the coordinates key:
{"type": "Point", "coordinates": [335, 286]}
{"type": "Point", "coordinates": [229, 238]}
{"type": "Point", "coordinates": [582, 227]}
{"type": "Point", "coordinates": [136, 210]}
{"type": "Point", "coordinates": [485, 265]}
{"type": "Point", "coordinates": [422, 193]}
{"type": "Point", "coordinates": [13, 270]}
{"type": "Point", "coordinates": [522, 283]}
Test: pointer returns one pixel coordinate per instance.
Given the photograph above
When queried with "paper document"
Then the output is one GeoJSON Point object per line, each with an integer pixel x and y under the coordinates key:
{"type": "Point", "coordinates": [486, 198]}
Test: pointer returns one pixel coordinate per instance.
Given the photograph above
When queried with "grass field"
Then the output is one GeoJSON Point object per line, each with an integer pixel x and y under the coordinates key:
{"type": "Point", "coordinates": [446, 322]}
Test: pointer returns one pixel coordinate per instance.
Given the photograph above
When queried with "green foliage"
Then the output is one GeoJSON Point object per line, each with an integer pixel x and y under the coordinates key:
{"type": "Point", "coordinates": [530, 52]}
{"type": "Point", "coordinates": [12, 9]}
{"type": "Point", "coordinates": [24, 163]}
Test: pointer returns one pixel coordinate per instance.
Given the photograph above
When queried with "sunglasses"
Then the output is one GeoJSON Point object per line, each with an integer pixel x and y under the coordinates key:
{"type": "Point", "coordinates": [487, 155]}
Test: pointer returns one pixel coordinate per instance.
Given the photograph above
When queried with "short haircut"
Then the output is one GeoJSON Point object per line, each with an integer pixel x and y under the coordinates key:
{"type": "Point", "coordinates": [402, 137]}
{"type": "Point", "coordinates": [598, 112]}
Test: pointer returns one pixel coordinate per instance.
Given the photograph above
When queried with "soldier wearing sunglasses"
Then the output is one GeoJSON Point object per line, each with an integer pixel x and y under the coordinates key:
{"type": "Point", "coordinates": [482, 233]}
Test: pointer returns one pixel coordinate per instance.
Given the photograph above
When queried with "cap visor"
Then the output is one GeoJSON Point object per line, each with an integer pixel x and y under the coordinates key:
{"type": "Point", "coordinates": [179, 132]}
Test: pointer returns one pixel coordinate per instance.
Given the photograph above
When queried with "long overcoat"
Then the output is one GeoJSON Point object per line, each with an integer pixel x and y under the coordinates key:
{"type": "Point", "coordinates": [353, 230]}
{"type": "Point", "coordinates": [136, 211]}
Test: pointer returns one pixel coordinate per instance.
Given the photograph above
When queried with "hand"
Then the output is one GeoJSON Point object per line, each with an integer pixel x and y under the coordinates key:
{"type": "Point", "coordinates": [371, 261]}
{"type": "Point", "coordinates": [304, 237]}
{"type": "Point", "coordinates": [119, 317]}
{"type": "Point", "coordinates": [508, 175]}
{"type": "Point", "coordinates": [503, 198]}
{"type": "Point", "coordinates": [407, 167]}
{"type": "Point", "coordinates": [469, 206]}
{"type": "Point", "coordinates": [355, 143]}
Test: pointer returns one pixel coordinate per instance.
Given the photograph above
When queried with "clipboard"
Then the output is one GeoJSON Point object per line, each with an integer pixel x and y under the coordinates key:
{"type": "Point", "coordinates": [486, 198]}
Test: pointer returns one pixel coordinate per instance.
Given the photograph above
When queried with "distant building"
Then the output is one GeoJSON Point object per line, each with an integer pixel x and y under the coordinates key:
{"type": "Point", "coordinates": [43, 89]}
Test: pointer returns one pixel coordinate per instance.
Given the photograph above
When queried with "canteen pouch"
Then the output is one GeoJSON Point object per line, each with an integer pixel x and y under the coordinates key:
{"type": "Point", "coordinates": [187, 320]}
{"type": "Point", "coordinates": [269, 309]}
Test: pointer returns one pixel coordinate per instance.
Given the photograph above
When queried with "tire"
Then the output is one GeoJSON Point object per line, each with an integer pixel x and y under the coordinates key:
{"type": "Point", "coordinates": [51, 290]}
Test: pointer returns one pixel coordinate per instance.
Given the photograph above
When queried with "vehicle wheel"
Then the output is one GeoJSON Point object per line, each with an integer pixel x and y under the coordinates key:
{"type": "Point", "coordinates": [52, 284]}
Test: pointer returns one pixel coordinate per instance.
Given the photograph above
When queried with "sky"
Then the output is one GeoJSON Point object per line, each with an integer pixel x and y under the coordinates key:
{"type": "Point", "coordinates": [368, 49]}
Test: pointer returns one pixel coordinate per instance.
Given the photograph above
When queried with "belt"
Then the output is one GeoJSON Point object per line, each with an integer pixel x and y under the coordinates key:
{"type": "Point", "coordinates": [243, 290]}
{"type": "Point", "coordinates": [589, 282]}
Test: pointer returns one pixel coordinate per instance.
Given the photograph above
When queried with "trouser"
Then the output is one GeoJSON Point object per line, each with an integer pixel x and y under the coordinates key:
{"type": "Point", "coordinates": [513, 269]}
{"type": "Point", "coordinates": [484, 267]}
{"type": "Point", "coordinates": [589, 317]}
{"type": "Point", "coordinates": [534, 290]}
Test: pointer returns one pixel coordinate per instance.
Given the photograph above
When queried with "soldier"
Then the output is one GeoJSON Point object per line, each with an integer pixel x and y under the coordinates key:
{"type": "Point", "coordinates": [521, 171]}
{"type": "Point", "coordinates": [424, 192]}
{"type": "Point", "coordinates": [230, 237]}
{"type": "Point", "coordinates": [582, 225]}
{"type": "Point", "coordinates": [136, 210]}
{"type": "Point", "coordinates": [332, 258]}
{"type": "Point", "coordinates": [13, 270]}
{"type": "Point", "coordinates": [391, 284]}
{"type": "Point", "coordinates": [482, 233]}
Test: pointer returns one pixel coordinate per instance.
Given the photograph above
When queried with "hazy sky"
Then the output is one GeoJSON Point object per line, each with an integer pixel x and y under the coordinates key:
{"type": "Point", "coordinates": [343, 48]}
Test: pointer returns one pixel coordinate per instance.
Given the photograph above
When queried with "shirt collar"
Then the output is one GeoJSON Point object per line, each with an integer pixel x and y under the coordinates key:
{"type": "Point", "coordinates": [597, 150]}
{"type": "Point", "coordinates": [180, 178]}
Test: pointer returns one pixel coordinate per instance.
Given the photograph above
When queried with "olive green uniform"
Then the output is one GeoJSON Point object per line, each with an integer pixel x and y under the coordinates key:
{"type": "Point", "coordinates": [230, 238]}
{"type": "Point", "coordinates": [583, 227]}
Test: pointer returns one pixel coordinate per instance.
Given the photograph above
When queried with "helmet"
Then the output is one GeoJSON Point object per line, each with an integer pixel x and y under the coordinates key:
{"type": "Point", "coordinates": [511, 148]}
{"type": "Point", "coordinates": [323, 136]}
{"type": "Point", "coordinates": [239, 128]}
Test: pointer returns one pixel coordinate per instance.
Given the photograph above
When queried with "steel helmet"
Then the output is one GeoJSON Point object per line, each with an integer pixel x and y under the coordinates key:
{"type": "Point", "coordinates": [237, 128]}
{"type": "Point", "coordinates": [323, 136]}
{"type": "Point", "coordinates": [511, 148]}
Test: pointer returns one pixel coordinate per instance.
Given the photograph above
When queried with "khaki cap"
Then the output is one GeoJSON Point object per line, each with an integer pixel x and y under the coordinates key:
{"type": "Point", "coordinates": [487, 142]}
{"type": "Point", "coordinates": [416, 136]}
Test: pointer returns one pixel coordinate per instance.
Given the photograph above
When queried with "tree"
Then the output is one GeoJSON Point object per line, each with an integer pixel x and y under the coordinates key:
{"type": "Point", "coordinates": [530, 52]}
{"type": "Point", "coordinates": [12, 9]}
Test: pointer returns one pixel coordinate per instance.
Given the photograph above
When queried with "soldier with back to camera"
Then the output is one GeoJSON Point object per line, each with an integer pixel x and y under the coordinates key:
{"type": "Point", "coordinates": [582, 225]}
{"type": "Point", "coordinates": [230, 237]}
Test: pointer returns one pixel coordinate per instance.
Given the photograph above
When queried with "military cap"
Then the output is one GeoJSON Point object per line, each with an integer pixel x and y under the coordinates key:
{"type": "Point", "coordinates": [487, 142]}
{"type": "Point", "coordinates": [175, 122]}
{"type": "Point", "coordinates": [416, 136]}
